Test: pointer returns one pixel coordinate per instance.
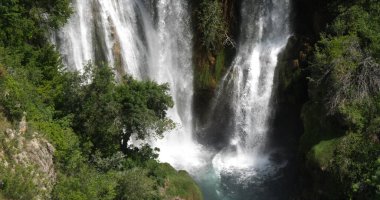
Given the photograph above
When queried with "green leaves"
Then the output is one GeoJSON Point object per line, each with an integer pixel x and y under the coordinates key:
{"type": "Point", "coordinates": [135, 184]}
{"type": "Point", "coordinates": [355, 163]}
{"type": "Point", "coordinates": [212, 24]}
{"type": "Point", "coordinates": [107, 113]}
{"type": "Point", "coordinates": [88, 118]}
{"type": "Point", "coordinates": [344, 91]}
{"type": "Point", "coordinates": [85, 184]}
{"type": "Point", "coordinates": [144, 106]}
{"type": "Point", "coordinates": [19, 183]}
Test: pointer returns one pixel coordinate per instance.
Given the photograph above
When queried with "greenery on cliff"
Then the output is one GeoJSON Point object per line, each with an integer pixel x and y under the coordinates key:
{"type": "Point", "coordinates": [212, 34]}
{"type": "Point", "coordinates": [89, 118]}
{"type": "Point", "coordinates": [337, 51]}
{"type": "Point", "coordinates": [215, 25]}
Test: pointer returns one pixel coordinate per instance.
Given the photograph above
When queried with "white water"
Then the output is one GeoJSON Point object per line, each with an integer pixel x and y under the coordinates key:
{"type": "Point", "coordinates": [175, 67]}
{"type": "Point", "coordinates": [151, 41]}
{"type": "Point", "coordinates": [264, 33]}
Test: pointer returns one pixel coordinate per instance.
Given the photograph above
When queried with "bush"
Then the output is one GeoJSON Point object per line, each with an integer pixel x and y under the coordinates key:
{"type": "Point", "coordinates": [355, 164]}
{"type": "Point", "coordinates": [135, 184]}
{"type": "Point", "coordinates": [212, 24]}
{"type": "Point", "coordinates": [341, 118]}
{"type": "Point", "coordinates": [86, 183]}
{"type": "Point", "coordinates": [19, 184]}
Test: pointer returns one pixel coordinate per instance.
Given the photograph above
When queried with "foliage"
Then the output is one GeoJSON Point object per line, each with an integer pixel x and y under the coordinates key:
{"type": "Point", "coordinates": [362, 19]}
{"type": "Point", "coordinates": [127, 108]}
{"type": "Point", "coordinates": [18, 184]}
{"type": "Point", "coordinates": [212, 25]}
{"type": "Point", "coordinates": [144, 107]}
{"type": "Point", "coordinates": [204, 77]}
{"type": "Point", "coordinates": [219, 65]}
{"type": "Point", "coordinates": [341, 65]}
{"type": "Point", "coordinates": [355, 163]}
{"type": "Point", "coordinates": [27, 21]}
{"type": "Point", "coordinates": [114, 162]}
{"type": "Point", "coordinates": [134, 184]}
{"type": "Point", "coordinates": [89, 118]}
{"type": "Point", "coordinates": [68, 155]}
{"type": "Point", "coordinates": [30, 65]}
{"type": "Point", "coordinates": [178, 184]}
{"type": "Point", "coordinates": [210, 71]}
{"type": "Point", "coordinates": [86, 183]}
{"type": "Point", "coordinates": [18, 95]}
{"type": "Point", "coordinates": [341, 118]}
{"type": "Point", "coordinates": [130, 180]}
{"type": "Point", "coordinates": [323, 152]}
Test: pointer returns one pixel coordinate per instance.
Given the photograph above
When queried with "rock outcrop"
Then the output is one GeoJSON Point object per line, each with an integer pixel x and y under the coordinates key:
{"type": "Point", "coordinates": [29, 151]}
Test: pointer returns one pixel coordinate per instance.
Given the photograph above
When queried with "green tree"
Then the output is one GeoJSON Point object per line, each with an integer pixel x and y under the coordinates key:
{"type": "Point", "coordinates": [107, 114]}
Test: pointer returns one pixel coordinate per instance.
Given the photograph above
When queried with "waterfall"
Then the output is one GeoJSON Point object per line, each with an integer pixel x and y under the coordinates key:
{"type": "Point", "coordinates": [247, 90]}
{"type": "Point", "coordinates": [148, 39]}
{"type": "Point", "coordinates": [152, 39]}
{"type": "Point", "coordinates": [175, 66]}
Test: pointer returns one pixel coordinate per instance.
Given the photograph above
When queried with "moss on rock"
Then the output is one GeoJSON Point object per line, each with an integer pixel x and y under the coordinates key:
{"type": "Point", "coordinates": [179, 184]}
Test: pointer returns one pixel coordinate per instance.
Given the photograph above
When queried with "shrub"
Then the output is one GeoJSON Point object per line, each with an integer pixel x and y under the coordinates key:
{"type": "Point", "coordinates": [212, 25]}
{"type": "Point", "coordinates": [19, 184]}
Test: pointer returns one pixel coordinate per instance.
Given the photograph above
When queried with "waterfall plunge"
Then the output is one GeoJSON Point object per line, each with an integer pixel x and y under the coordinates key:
{"type": "Point", "coordinates": [178, 147]}
{"type": "Point", "coordinates": [264, 33]}
{"type": "Point", "coordinates": [150, 41]}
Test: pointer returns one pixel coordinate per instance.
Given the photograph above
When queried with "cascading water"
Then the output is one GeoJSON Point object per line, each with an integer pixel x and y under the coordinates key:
{"type": "Point", "coordinates": [152, 39]}
{"type": "Point", "coordinates": [245, 95]}
{"type": "Point", "coordinates": [93, 33]}
{"type": "Point", "coordinates": [148, 40]}
{"type": "Point", "coordinates": [175, 67]}
{"type": "Point", "coordinates": [264, 34]}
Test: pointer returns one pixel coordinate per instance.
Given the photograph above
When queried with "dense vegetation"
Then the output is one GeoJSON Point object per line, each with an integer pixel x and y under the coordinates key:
{"type": "Point", "coordinates": [338, 54]}
{"type": "Point", "coordinates": [331, 79]}
{"type": "Point", "coordinates": [89, 118]}
{"type": "Point", "coordinates": [212, 35]}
